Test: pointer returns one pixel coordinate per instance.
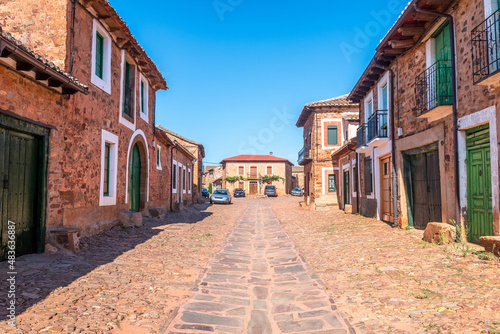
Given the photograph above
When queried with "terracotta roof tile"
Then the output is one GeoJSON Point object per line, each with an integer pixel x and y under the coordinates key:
{"type": "Point", "coordinates": [340, 101]}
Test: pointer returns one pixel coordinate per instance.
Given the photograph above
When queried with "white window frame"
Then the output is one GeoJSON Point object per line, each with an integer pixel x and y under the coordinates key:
{"type": "Point", "coordinates": [272, 169]}
{"type": "Point", "coordinates": [384, 81]}
{"type": "Point", "coordinates": [121, 119]}
{"type": "Point", "coordinates": [189, 176]}
{"type": "Point", "coordinates": [244, 170]}
{"type": "Point", "coordinates": [354, 177]}
{"type": "Point", "coordinates": [112, 139]}
{"type": "Point", "coordinates": [490, 6]}
{"type": "Point", "coordinates": [158, 157]}
{"type": "Point", "coordinates": [184, 179]}
{"type": "Point", "coordinates": [144, 113]}
{"type": "Point", "coordinates": [368, 99]}
{"type": "Point", "coordinates": [174, 181]}
{"type": "Point", "coordinates": [324, 139]}
{"type": "Point", "coordinates": [372, 194]}
{"type": "Point", "coordinates": [105, 82]}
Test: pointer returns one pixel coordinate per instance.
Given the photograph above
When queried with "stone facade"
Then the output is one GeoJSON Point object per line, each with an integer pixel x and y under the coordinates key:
{"type": "Point", "coordinates": [431, 130]}
{"type": "Point", "coordinates": [198, 151]}
{"type": "Point", "coordinates": [319, 173]}
{"type": "Point", "coordinates": [86, 124]}
{"type": "Point", "coordinates": [348, 184]}
{"type": "Point", "coordinates": [212, 174]}
{"type": "Point", "coordinates": [246, 165]}
{"type": "Point", "coordinates": [298, 177]}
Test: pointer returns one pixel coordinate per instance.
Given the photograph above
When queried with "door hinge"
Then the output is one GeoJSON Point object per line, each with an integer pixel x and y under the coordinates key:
{"type": "Point", "coordinates": [5, 182]}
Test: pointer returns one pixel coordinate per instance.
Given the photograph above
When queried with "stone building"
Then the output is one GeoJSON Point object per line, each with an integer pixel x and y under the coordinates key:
{"type": "Point", "coordinates": [348, 186]}
{"type": "Point", "coordinates": [101, 144]}
{"type": "Point", "coordinates": [254, 169]}
{"type": "Point", "coordinates": [326, 125]}
{"type": "Point", "coordinates": [198, 151]}
{"type": "Point", "coordinates": [35, 94]}
{"type": "Point", "coordinates": [298, 177]}
{"type": "Point", "coordinates": [443, 86]}
{"type": "Point", "coordinates": [213, 175]}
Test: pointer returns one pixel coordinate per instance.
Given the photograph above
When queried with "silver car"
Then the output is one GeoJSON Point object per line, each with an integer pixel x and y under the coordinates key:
{"type": "Point", "coordinates": [297, 192]}
{"type": "Point", "coordinates": [221, 196]}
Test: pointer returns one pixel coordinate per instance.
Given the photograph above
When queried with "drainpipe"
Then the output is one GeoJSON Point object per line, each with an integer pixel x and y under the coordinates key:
{"type": "Point", "coordinates": [393, 147]}
{"type": "Point", "coordinates": [455, 117]}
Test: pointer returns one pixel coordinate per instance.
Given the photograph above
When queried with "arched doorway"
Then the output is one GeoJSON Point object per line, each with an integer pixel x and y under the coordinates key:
{"type": "Point", "coordinates": [135, 179]}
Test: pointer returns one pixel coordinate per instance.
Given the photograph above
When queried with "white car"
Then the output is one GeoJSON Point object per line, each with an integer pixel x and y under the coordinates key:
{"type": "Point", "coordinates": [221, 196]}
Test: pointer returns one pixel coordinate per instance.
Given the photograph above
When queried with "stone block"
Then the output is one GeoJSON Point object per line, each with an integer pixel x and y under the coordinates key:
{"type": "Point", "coordinates": [491, 244]}
{"type": "Point", "coordinates": [440, 233]}
{"type": "Point", "coordinates": [67, 238]}
{"type": "Point", "coordinates": [130, 218]}
{"type": "Point", "coordinates": [348, 208]}
{"type": "Point", "coordinates": [157, 212]}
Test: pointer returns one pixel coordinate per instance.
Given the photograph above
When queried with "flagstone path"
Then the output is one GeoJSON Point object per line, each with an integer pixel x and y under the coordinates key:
{"type": "Point", "coordinates": [258, 284]}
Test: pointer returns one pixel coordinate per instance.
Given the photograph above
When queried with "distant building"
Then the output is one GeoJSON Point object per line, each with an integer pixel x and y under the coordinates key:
{"type": "Point", "coordinates": [327, 124]}
{"type": "Point", "coordinates": [213, 175]}
{"type": "Point", "coordinates": [254, 169]}
{"type": "Point", "coordinates": [298, 177]}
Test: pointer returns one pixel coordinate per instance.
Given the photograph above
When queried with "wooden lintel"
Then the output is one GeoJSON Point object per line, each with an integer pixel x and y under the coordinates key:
{"type": "Point", "coordinates": [411, 31]}
{"type": "Point", "coordinates": [69, 91]}
{"type": "Point", "coordinates": [42, 76]}
{"type": "Point", "coordinates": [55, 83]}
{"type": "Point", "coordinates": [401, 43]}
{"type": "Point", "coordinates": [24, 66]}
{"type": "Point", "coordinates": [395, 52]}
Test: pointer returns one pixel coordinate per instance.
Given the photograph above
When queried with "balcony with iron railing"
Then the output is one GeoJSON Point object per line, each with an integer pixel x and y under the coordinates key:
{"type": "Point", "coordinates": [305, 155]}
{"type": "Point", "coordinates": [361, 136]}
{"type": "Point", "coordinates": [433, 91]}
{"type": "Point", "coordinates": [485, 40]}
{"type": "Point", "coordinates": [377, 128]}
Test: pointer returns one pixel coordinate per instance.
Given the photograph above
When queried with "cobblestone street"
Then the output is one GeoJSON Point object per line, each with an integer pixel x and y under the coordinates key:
{"type": "Point", "coordinates": [257, 266]}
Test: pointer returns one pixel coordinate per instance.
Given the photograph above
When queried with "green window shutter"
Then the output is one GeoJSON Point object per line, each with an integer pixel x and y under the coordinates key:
{"type": "Point", "coordinates": [99, 55]}
{"type": "Point", "coordinates": [332, 135]}
{"type": "Point", "coordinates": [127, 98]}
{"type": "Point", "coordinates": [142, 96]}
{"type": "Point", "coordinates": [107, 151]}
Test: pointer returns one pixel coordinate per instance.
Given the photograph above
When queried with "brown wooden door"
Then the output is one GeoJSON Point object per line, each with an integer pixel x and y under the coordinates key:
{"type": "Point", "coordinates": [386, 180]}
{"type": "Point", "coordinates": [253, 188]}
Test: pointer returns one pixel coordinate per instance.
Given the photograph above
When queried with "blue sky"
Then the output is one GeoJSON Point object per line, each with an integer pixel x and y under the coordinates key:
{"type": "Point", "coordinates": [240, 71]}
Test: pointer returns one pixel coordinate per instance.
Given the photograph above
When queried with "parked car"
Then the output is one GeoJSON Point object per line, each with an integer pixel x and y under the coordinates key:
{"type": "Point", "coordinates": [297, 192]}
{"type": "Point", "coordinates": [270, 191]}
{"type": "Point", "coordinates": [205, 193]}
{"type": "Point", "coordinates": [238, 192]}
{"type": "Point", "coordinates": [221, 196]}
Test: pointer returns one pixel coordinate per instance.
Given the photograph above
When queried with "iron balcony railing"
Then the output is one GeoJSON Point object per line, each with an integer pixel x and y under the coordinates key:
{"type": "Point", "coordinates": [377, 126]}
{"type": "Point", "coordinates": [433, 87]}
{"type": "Point", "coordinates": [361, 136]}
{"type": "Point", "coordinates": [304, 154]}
{"type": "Point", "coordinates": [486, 48]}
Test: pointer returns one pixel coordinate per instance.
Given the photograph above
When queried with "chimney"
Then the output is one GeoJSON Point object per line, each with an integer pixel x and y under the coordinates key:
{"type": "Point", "coordinates": [270, 153]}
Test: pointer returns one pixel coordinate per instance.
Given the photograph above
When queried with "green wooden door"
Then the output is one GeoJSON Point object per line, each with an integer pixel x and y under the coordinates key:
{"type": "Point", "coordinates": [443, 67]}
{"type": "Point", "coordinates": [135, 179]}
{"type": "Point", "coordinates": [347, 188]}
{"type": "Point", "coordinates": [18, 191]}
{"type": "Point", "coordinates": [480, 211]}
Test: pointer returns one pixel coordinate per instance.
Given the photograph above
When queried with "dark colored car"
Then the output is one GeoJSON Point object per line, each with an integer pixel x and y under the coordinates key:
{"type": "Point", "coordinates": [270, 191]}
{"type": "Point", "coordinates": [205, 193]}
{"type": "Point", "coordinates": [238, 192]}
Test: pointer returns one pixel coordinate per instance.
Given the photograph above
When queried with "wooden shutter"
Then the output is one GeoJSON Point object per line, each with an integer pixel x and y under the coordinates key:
{"type": "Point", "coordinates": [332, 135]}
{"type": "Point", "coordinates": [241, 170]}
{"type": "Point", "coordinates": [99, 55]}
{"type": "Point", "coordinates": [269, 170]}
{"type": "Point", "coordinates": [368, 176]}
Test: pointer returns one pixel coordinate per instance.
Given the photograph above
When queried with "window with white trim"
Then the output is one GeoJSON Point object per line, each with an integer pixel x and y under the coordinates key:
{"type": "Point", "coordinates": [184, 180]}
{"type": "Point", "coordinates": [128, 92]}
{"type": "Point", "coordinates": [144, 98]}
{"type": "Point", "coordinates": [109, 166]}
{"type": "Point", "coordinates": [174, 177]}
{"type": "Point", "coordinates": [158, 157]}
{"type": "Point", "coordinates": [101, 58]}
{"type": "Point", "coordinates": [189, 180]}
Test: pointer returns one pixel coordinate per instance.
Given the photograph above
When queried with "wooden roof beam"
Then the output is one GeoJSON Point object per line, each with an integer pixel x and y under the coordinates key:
{"type": "Point", "coordinates": [411, 31]}
{"type": "Point", "coordinates": [401, 43]}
